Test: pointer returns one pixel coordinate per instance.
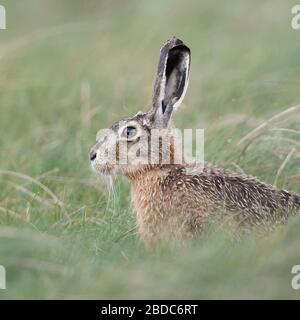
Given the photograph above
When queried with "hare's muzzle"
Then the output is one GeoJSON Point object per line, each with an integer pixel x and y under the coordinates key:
{"type": "Point", "coordinates": [98, 161]}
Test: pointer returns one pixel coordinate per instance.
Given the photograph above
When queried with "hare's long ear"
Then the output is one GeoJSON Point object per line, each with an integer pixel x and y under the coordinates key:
{"type": "Point", "coordinates": [171, 80]}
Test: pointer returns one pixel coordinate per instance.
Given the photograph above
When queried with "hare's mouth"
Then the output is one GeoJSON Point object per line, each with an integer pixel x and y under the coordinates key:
{"type": "Point", "coordinates": [103, 169]}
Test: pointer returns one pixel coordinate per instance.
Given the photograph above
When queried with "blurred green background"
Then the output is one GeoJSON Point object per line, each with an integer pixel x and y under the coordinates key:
{"type": "Point", "coordinates": [70, 68]}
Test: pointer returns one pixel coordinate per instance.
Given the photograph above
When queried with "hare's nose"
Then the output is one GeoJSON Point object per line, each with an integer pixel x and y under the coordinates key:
{"type": "Point", "coordinates": [93, 155]}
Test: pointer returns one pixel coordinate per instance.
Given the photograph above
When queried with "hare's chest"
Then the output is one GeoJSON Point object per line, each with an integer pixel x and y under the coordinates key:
{"type": "Point", "coordinates": [159, 214]}
{"type": "Point", "coordinates": [149, 200]}
{"type": "Point", "coordinates": [167, 209]}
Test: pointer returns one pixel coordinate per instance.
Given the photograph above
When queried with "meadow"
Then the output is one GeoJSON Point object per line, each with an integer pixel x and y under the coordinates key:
{"type": "Point", "coordinates": [70, 68]}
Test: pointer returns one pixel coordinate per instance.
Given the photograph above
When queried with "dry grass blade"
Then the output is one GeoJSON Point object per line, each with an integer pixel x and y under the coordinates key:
{"type": "Point", "coordinates": [125, 234]}
{"type": "Point", "coordinates": [258, 130]}
{"type": "Point", "coordinates": [38, 183]}
{"type": "Point", "coordinates": [13, 214]}
{"type": "Point", "coordinates": [286, 130]}
{"type": "Point", "coordinates": [285, 141]}
{"type": "Point", "coordinates": [47, 173]}
{"type": "Point", "coordinates": [239, 169]}
{"type": "Point", "coordinates": [283, 165]}
{"type": "Point", "coordinates": [31, 194]}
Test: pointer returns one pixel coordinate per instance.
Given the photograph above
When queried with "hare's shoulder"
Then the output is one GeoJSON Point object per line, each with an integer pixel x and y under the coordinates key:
{"type": "Point", "coordinates": [211, 178]}
{"type": "Point", "coordinates": [237, 191]}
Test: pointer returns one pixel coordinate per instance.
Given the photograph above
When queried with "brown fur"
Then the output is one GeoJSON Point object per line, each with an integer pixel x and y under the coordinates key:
{"type": "Point", "coordinates": [169, 202]}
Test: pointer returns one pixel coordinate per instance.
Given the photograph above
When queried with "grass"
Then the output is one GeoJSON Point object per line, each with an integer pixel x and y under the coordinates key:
{"type": "Point", "coordinates": [70, 68]}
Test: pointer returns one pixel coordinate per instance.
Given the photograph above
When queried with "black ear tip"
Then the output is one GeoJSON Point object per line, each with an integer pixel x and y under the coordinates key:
{"type": "Point", "coordinates": [176, 41]}
{"type": "Point", "coordinates": [173, 43]}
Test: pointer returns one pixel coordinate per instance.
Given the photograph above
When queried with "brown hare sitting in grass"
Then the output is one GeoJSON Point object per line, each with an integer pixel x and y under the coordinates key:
{"type": "Point", "coordinates": [169, 200]}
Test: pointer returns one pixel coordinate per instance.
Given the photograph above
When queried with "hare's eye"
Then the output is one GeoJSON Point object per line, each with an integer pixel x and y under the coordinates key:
{"type": "Point", "coordinates": [129, 132]}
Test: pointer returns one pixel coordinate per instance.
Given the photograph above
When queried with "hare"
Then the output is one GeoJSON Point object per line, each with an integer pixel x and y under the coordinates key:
{"type": "Point", "coordinates": [168, 199]}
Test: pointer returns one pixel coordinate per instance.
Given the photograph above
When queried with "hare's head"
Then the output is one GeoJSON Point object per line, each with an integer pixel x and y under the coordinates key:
{"type": "Point", "coordinates": [146, 139]}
